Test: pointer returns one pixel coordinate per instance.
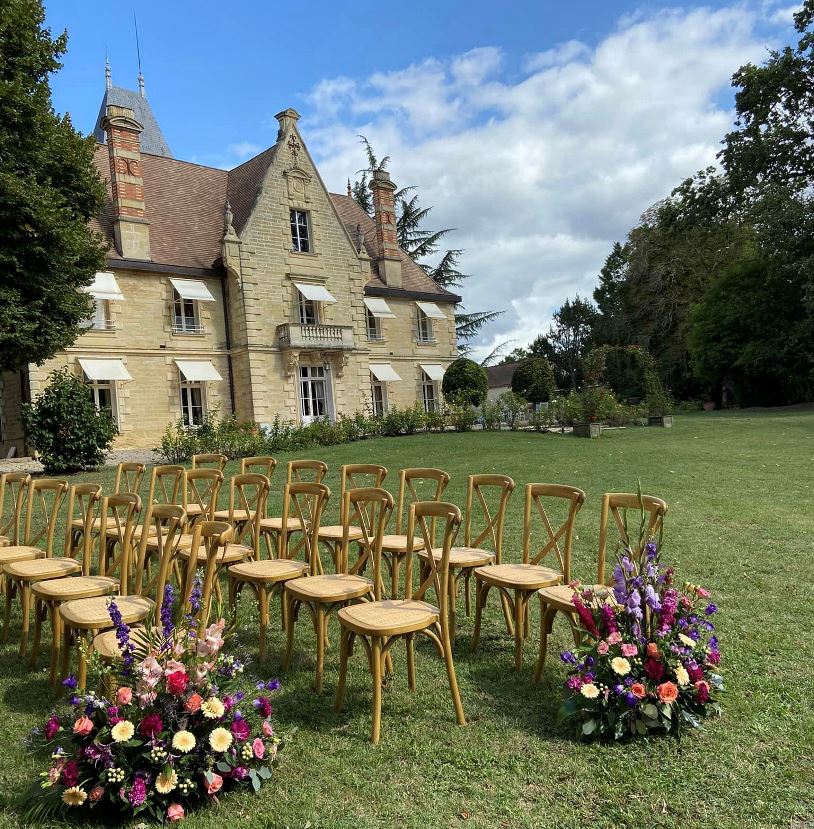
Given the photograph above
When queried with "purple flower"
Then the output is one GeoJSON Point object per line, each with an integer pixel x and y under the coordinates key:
{"type": "Point", "coordinates": [652, 598]}
{"type": "Point", "coordinates": [711, 608]}
{"type": "Point", "coordinates": [197, 593]}
{"type": "Point", "coordinates": [122, 637]}
{"type": "Point", "coordinates": [138, 792]}
{"type": "Point", "coordinates": [630, 699]}
{"type": "Point", "coordinates": [70, 682]}
{"type": "Point", "coordinates": [566, 657]}
{"type": "Point", "coordinates": [618, 689]}
{"type": "Point", "coordinates": [166, 610]}
{"type": "Point", "coordinates": [651, 550]}
{"type": "Point", "coordinates": [271, 685]}
{"type": "Point", "coordinates": [574, 683]}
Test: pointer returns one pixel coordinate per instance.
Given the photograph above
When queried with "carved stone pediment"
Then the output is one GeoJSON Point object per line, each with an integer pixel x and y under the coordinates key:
{"type": "Point", "coordinates": [298, 185]}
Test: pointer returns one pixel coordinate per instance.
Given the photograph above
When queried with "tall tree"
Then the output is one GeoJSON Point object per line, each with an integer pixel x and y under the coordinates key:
{"type": "Point", "coordinates": [570, 336]}
{"type": "Point", "coordinates": [49, 190]}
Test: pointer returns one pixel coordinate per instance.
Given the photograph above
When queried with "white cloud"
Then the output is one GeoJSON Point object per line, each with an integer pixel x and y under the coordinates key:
{"type": "Point", "coordinates": [541, 171]}
{"type": "Point", "coordinates": [243, 150]}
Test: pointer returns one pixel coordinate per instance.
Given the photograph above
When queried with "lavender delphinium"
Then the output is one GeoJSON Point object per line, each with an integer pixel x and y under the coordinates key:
{"type": "Point", "coordinates": [126, 647]}
{"type": "Point", "coordinates": [167, 605]}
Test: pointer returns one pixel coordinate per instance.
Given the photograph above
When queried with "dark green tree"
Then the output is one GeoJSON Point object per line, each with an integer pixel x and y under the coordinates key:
{"type": "Point", "coordinates": [533, 379]}
{"type": "Point", "coordinates": [570, 337]}
{"type": "Point", "coordinates": [49, 190]}
{"type": "Point", "coordinates": [465, 382]}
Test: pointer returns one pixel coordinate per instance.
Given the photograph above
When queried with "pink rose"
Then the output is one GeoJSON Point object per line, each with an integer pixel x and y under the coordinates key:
{"type": "Point", "coordinates": [83, 726]}
{"type": "Point", "coordinates": [124, 695]}
{"type": "Point", "coordinates": [177, 682]}
{"type": "Point", "coordinates": [259, 748]}
{"type": "Point", "coordinates": [603, 648]}
{"type": "Point", "coordinates": [704, 594]}
{"type": "Point", "coordinates": [614, 638]}
{"type": "Point", "coordinates": [268, 731]}
{"type": "Point", "coordinates": [175, 812]}
{"type": "Point", "coordinates": [629, 650]}
{"type": "Point", "coordinates": [96, 794]}
{"type": "Point", "coordinates": [215, 786]}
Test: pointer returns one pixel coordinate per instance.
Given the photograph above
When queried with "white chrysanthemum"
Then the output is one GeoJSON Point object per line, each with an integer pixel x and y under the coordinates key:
{"type": "Point", "coordinates": [74, 796]}
{"type": "Point", "coordinates": [166, 781]}
{"type": "Point", "coordinates": [220, 739]}
{"type": "Point", "coordinates": [682, 677]}
{"type": "Point", "coordinates": [213, 708]}
{"type": "Point", "coordinates": [183, 741]}
{"type": "Point", "coordinates": [122, 731]}
{"type": "Point", "coordinates": [620, 665]}
{"type": "Point", "coordinates": [589, 690]}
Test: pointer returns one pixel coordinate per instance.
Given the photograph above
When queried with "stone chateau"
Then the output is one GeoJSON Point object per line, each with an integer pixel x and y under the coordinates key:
{"type": "Point", "coordinates": [252, 290]}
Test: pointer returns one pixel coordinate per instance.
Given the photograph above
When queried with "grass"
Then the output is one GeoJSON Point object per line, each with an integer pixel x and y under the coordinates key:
{"type": "Point", "coordinates": [740, 489]}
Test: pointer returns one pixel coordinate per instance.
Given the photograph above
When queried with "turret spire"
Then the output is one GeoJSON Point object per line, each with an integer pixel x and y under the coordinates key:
{"type": "Point", "coordinates": [108, 78]}
{"type": "Point", "coordinates": [138, 55]}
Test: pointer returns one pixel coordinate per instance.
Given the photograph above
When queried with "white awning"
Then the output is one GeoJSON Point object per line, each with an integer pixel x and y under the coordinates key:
{"type": "Point", "coordinates": [104, 287]}
{"type": "Point", "coordinates": [192, 289]}
{"type": "Point", "coordinates": [378, 307]}
{"type": "Point", "coordinates": [432, 310]}
{"type": "Point", "coordinates": [384, 372]}
{"type": "Point", "coordinates": [433, 370]}
{"type": "Point", "coordinates": [316, 293]}
{"type": "Point", "coordinates": [104, 369]}
{"type": "Point", "coordinates": [198, 370]}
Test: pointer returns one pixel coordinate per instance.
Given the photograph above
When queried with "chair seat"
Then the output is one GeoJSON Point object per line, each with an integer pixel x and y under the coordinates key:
{"type": "Point", "coordinates": [107, 645]}
{"type": "Point", "coordinates": [194, 510]}
{"type": "Point", "coordinates": [390, 617]}
{"type": "Point", "coordinates": [232, 554]}
{"type": "Point", "coordinates": [398, 543]}
{"type": "Point", "coordinates": [333, 532]}
{"type": "Point", "coordinates": [237, 515]}
{"type": "Point", "coordinates": [42, 568]}
{"type": "Point", "coordinates": [19, 553]}
{"type": "Point", "coordinates": [275, 524]}
{"type": "Point", "coordinates": [80, 587]}
{"type": "Point", "coordinates": [332, 587]}
{"type": "Point", "coordinates": [79, 524]}
{"type": "Point", "coordinates": [268, 571]}
{"type": "Point", "coordinates": [462, 556]}
{"type": "Point", "coordinates": [559, 596]}
{"type": "Point", "coordinates": [91, 613]}
{"type": "Point", "coordinates": [5, 541]}
{"type": "Point", "coordinates": [518, 576]}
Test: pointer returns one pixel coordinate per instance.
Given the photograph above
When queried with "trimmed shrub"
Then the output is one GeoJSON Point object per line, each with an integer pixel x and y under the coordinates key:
{"type": "Point", "coordinates": [465, 382]}
{"type": "Point", "coordinates": [533, 379]}
{"type": "Point", "coordinates": [462, 417]}
{"type": "Point", "coordinates": [62, 424]}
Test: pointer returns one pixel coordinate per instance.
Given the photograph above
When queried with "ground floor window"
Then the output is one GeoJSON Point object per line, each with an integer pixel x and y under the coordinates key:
{"type": "Point", "coordinates": [378, 393]}
{"type": "Point", "coordinates": [313, 393]}
{"type": "Point", "coordinates": [429, 392]}
{"type": "Point", "coordinates": [103, 394]}
{"type": "Point", "coordinates": [193, 403]}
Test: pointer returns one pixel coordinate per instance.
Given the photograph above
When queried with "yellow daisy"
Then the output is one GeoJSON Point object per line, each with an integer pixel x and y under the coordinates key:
{"type": "Point", "coordinates": [620, 665]}
{"type": "Point", "coordinates": [74, 796]}
{"type": "Point", "coordinates": [166, 781]}
{"type": "Point", "coordinates": [183, 741]}
{"type": "Point", "coordinates": [220, 739]}
{"type": "Point", "coordinates": [213, 708]}
{"type": "Point", "coordinates": [122, 731]}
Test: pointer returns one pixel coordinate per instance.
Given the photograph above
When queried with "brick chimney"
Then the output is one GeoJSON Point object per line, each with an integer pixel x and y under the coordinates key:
{"type": "Point", "coordinates": [384, 210]}
{"type": "Point", "coordinates": [131, 228]}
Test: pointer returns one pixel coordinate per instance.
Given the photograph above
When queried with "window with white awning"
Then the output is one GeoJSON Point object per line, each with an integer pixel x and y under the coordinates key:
{"type": "Point", "coordinates": [384, 372]}
{"type": "Point", "coordinates": [314, 293]}
{"type": "Point", "coordinates": [192, 289]}
{"type": "Point", "coordinates": [432, 310]}
{"type": "Point", "coordinates": [198, 371]}
{"type": "Point", "coordinates": [434, 371]}
{"type": "Point", "coordinates": [104, 287]}
{"type": "Point", "coordinates": [378, 307]}
{"type": "Point", "coordinates": [104, 370]}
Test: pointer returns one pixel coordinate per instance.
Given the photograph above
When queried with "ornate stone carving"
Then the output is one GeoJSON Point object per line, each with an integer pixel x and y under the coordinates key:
{"type": "Point", "coordinates": [292, 363]}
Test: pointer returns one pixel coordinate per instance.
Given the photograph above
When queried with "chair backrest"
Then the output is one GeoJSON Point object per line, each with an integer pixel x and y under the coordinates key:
{"type": "Point", "coordinates": [118, 513]}
{"type": "Point", "coordinates": [45, 497]}
{"type": "Point", "coordinates": [430, 482]}
{"type": "Point", "coordinates": [358, 476]}
{"type": "Point", "coordinates": [202, 489]}
{"type": "Point", "coordinates": [215, 537]}
{"type": "Point", "coordinates": [492, 493]}
{"type": "Point", "coordinates": [303, 501]}
{"type": "Point", "coordinates": [169, 521]}
{"type": "Point", "coordinates": [650, 524]}
{"type": "Point", "coordinates": [209, 461]}
{"type": "Point", "coordinates": [83, 504]}
{"type": "Point", "coordinates": [13, 489]}
{"type": "Point", "coordinates": [261, 464]}
{"type": "Point", "coordinates": [248, 495]}
{"type": "Point", "coordinates": [437, 570]}
{"type": "Point", "coordinates": [556, 506]}
{"type": "Point", "coordinates": [128, 477]}
{"type": "Point", "coordinates": [304, 471]}
{"type": "Point", "coordinates": [166, 485]}
{"type": "Point", "coordinates": [370, 509]}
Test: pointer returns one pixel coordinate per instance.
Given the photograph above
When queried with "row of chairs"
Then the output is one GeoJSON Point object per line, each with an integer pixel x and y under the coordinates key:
{"type": "Point", "coordinates": [75, 598]}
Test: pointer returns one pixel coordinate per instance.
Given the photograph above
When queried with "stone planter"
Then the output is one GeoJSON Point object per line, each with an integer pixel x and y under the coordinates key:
{"type": "Point", "coordinates": [661, 420]}
{"type": "Point", "coordinates": [587, 430]}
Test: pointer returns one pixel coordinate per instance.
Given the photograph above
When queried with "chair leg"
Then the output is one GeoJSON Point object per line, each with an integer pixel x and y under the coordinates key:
{"type": "Point", "coordinates": [544, 626]}
{"type": "Point", "coordinates": [81, 664]}
{"type": "Point", "coordinates": [39, 611]}
{"type": "Point", "coordinates": [376, 671]}
{"type": "Point", "coordinates": [25, 604]}
{"type": "Point", "coordinates": [467, 576]}
{"type": "Point", "coordinates": [319, 624]}
{"type": "Point", "coordinates": [519, 619]}
{"type": "Point", "coordinates": [66, 653]}
{"type": "Point", "coordinates": [481, 591]}
{"type": "Point", "coordinates": [290, 603]}
{"type": "Point", "coordinates": [262, 598]}
{"type": "Point", "coordinates": [56, 641]}
{"type": "Point", "coordinates": [409, 640]}
{"type": "Point", "coordinates": [453, 679]}
{"type": "Point", "coordinates": [507, 614]}
{"type": "Point", "coordinates": [453, 600]}
{"type": "Point", "coordinates": [9, 600]}
{"type": "Point", "coordinates": [344, 649]}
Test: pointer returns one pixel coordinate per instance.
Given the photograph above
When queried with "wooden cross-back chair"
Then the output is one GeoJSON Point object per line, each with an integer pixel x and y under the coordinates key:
{"type": "Point", "coordinates": [303, 502]}
{"type": "Point", "coordinates": [244, 508]}
{"type": "Point", "coordinates": [48, 496]}
{"type": "Point", "coordinates": [303, 471]}
{"type": "Point", "coordinates": [351, 476]}
{"type": "Point", "coordinates": [82, 619]}
{"type": "Point", "coordinates": [415, 484]}
{"type": "Point", "coordinates": [166, 485]}
{"type": "Point", "coordinates": [209, 461]}
{"type": "Point", "coordinates": [117, 514]}
{"type": "Point", "coordinates": [13, 488]}
{"type": "Point", "coordinates": [542, 566]}
{"type": "Point", "coordinates": [379, 624]}
{"type": "Point", "coordinates": [616, 507]}
{"type": "Point", "coordinates": [365, 513]}
{"type": "Point", "coordinates": [202, 487]}
{"type": "Point", "coordinates": [487, 497]}
{"type": "Point", "coordinates": [261, 464]}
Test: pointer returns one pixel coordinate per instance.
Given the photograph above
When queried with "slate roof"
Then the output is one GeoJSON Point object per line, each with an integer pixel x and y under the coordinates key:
{"type": "Point", "coordinates": [152, 139]}
{"type": "Point", "coordinates": [501, 376]}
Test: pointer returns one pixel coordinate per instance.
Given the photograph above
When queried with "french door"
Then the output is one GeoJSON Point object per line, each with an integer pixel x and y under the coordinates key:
{"type": "Point", "coordinates": [315, 397]}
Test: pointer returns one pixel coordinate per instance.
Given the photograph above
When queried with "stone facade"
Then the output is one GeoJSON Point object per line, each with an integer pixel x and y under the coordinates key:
{"type": "Point", "coordinates": [249, 331]}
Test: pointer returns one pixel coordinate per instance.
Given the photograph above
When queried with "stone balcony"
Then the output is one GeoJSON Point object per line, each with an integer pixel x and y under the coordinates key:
{"type": "Point", "coordinates": [320, 337]}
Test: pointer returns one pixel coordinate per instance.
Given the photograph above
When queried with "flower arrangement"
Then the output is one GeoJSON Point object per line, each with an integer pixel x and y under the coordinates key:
{"type": "Point", "coordinates": [650, 658]}
{"type": "Point", "coordinates": [175, 731]}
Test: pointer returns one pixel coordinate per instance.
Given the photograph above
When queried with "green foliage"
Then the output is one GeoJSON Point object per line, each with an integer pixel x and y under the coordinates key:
{"type": "Point", "coordinates": [568, 340]}
{"type": "Point", "coordinates": [465, 382]}
{"type": "Point", "coordinates": [512, 406]}
{"type": "Point", "coordinates": [533, 379]}
{"type": "Point", "coordinates": [49, 190]}
{"type": "Point", "coordinates": [62, 424]}
{"type": "Point", "coordinates": [595, 404]}
{"type": "Point", "coordinates": [461, 416]}
{"type": "Point", "coordinates": [491, 415]}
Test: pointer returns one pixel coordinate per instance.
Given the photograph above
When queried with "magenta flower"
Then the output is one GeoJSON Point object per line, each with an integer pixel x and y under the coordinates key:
{"type": "Point", "coordinates": [51, 727]}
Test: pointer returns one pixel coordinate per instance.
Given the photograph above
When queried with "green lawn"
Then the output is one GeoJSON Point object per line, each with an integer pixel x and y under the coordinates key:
{"type": "Point", "coordinates": [740, 488]}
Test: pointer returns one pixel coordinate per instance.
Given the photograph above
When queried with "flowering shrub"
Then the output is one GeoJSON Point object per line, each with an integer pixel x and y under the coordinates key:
{"type": "Point", "coordinates": [176, 731]}
{"type": "Point", "coordinates": [650, 662]}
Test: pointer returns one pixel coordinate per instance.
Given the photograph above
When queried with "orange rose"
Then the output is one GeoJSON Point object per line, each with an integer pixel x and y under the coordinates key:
{"type": "Point", "coordinates": [652, 649]}
{"type": "Point", "coordinates": [83, 726]}
{"type": "Point", "coordinates": [193, 704]}
{"type": "Point", "coordinates": [638, 690]}
{"type": "Point", "coordinates": [668, 692]}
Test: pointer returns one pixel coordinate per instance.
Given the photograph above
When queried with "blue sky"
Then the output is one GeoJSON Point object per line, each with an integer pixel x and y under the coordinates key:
{"type": "Point", "coordinates": [540, 130]}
